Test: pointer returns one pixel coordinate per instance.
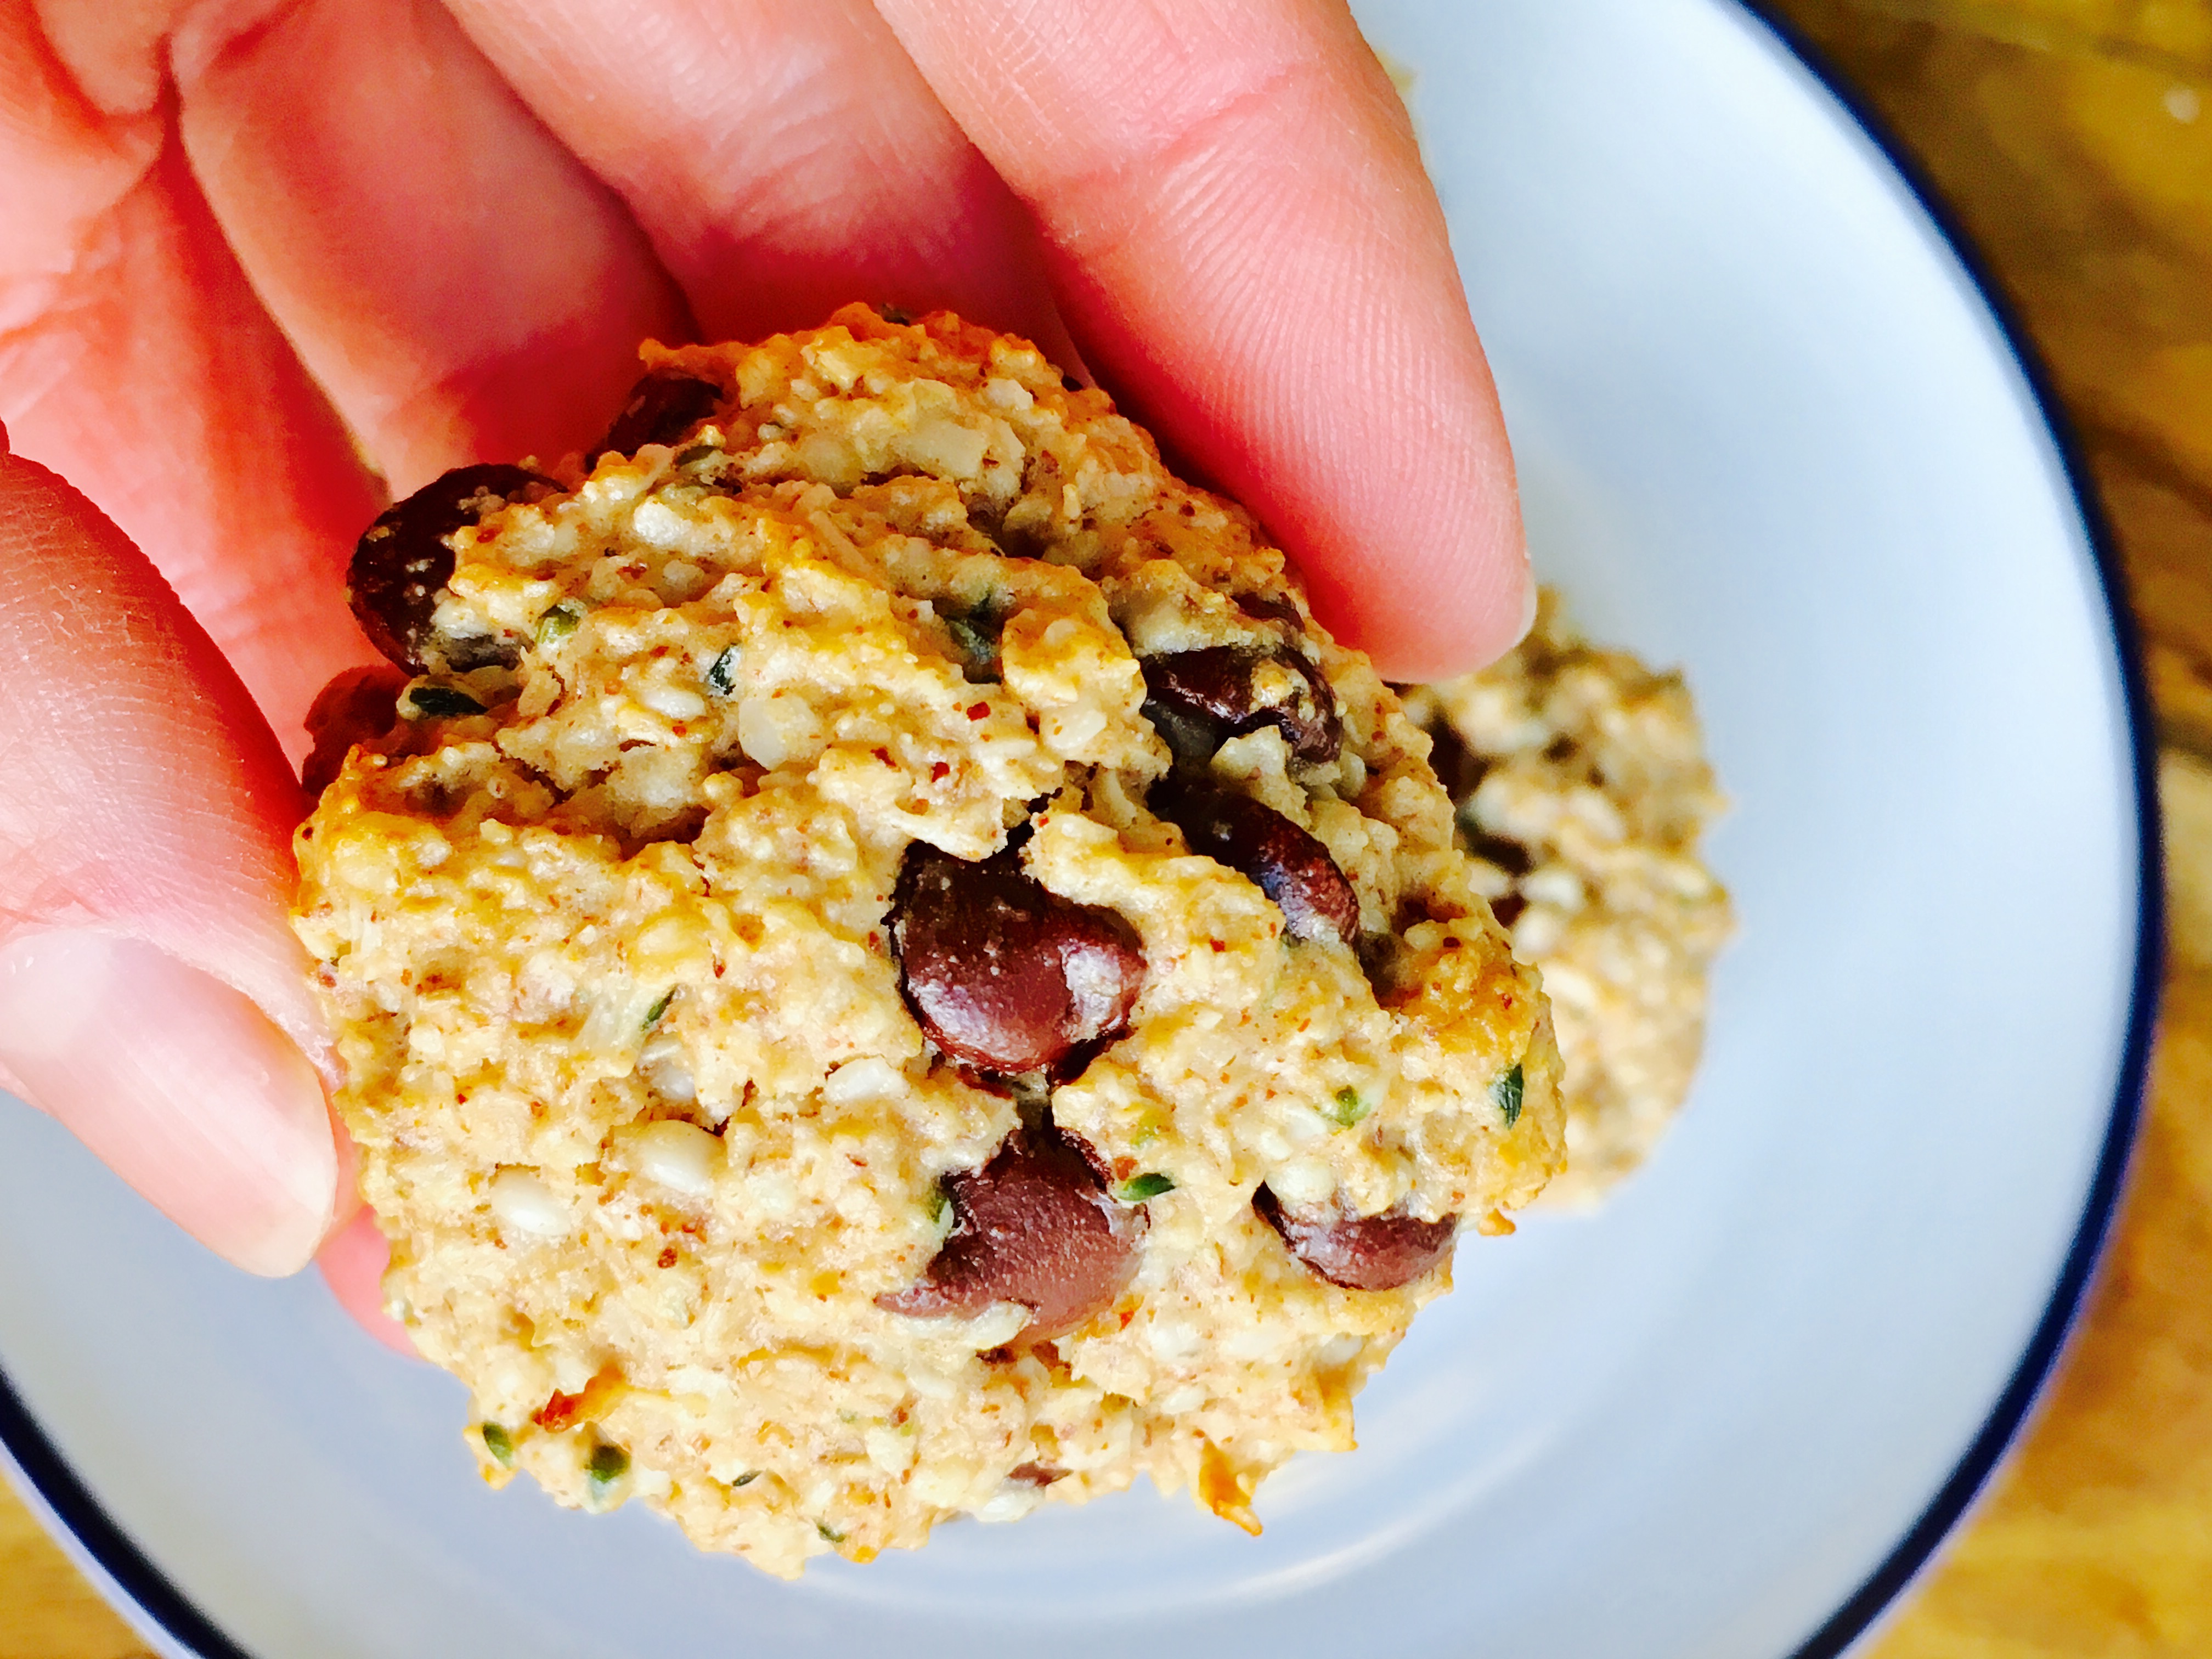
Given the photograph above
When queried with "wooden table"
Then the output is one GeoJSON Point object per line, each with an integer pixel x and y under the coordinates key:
{"type": "Point", "coordinates": [2074, 138]}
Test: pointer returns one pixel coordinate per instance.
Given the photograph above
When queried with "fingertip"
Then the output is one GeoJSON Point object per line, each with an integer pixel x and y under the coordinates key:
{"type": "Point", "coordinates": [178, 1083]}
{"type": "Point", "coordinates": [1426, 614]}
{"type": "Point", "coordinates": [1528, 607]}
{"type": "Point", "coordinates": [1244, 244]}
{"type": "Point", "coordinates": [353, 1261]}
{"type": "Point", "coordinates": [162, 803]}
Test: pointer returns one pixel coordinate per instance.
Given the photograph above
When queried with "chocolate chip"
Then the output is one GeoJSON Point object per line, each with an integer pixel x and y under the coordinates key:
{"type": "Point", "coordinates": [1226, 691]}
{"type": "Point", "coordinates": [1282, 860]}
{"type": "Point", "coordinates": [1004, 974]}
{"type": "Point", "coordinates": [465, 652]}
{"type": "Point", "coordinates": [1457, 767]}
{"type": "Point", "coordinates": [1461, 770]}
{"type": "Point", "coordinates": [1264, 609]}
{"type": "Point", "coordinates": [1507, 907]}
{"type": "Point", "coordinates": [662, 408]}
{"type": "Point", "coordinates": [401, 561]}
{"type": "Point", "coordinates": [357, 706]}
{"type": "Point", "coordinates": [1191, 736]}
{"type": "Point", "coordinates": [1034, 1225]}
{"type": "Point", "coordinates": [1510, 856]}
{"type": "Point", "coordinates": [1359, 1253]}
{"type": "Point", "coordinates": [441, 703]}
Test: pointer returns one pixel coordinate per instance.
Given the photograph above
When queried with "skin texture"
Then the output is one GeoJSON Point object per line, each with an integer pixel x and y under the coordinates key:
{"type": "Point", "coordinates": [145, 967]}
{"type": "Point", "coordinates": [263, 262]}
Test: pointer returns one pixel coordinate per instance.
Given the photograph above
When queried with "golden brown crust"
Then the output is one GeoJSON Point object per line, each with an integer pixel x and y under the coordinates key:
{"type": "Point", "coordinates": [1585, 795]}
{"type": "Point", "coordinates": [639, 1102]}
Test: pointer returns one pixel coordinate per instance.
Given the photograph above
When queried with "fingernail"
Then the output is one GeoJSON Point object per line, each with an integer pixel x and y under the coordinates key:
{"type": "Point", "coordinates": [1528, 609]}
{"type": "Point", "coordinates": [178, 1083]}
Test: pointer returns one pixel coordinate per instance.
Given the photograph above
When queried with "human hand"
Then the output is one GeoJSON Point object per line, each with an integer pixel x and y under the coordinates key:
{"type": "Point", "coordinates": [236, 233]}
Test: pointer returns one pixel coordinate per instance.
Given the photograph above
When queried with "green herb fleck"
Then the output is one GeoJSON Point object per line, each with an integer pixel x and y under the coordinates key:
{"type": "Point", "coordinates": [975, 635]}
{"type": "Point", "coordinates": [498, 1442]}
{"type": "Point", "coordinates": [1506, 1091]}
{"type": "Point", "coordinates": [1137, 1188]}
{"type": "Point", "coordinates": [722, 672]}
{"type": "Point", "coordinates": [652, 1014]}
{"type": "Point", "coordinates": [697, 454]}
{"type": "Point", "coordinates": [940, 1205]}
{"type": "Point", "coordinates": [746, 1479]}
{"type": "Point", "coordinates": [441, 703]}
{"type": "Point", "coordinates": [608, 1465]}
{"type": "Point", "coordinates": [1347, 1108]}
{"type": "Point", "coordinates": [559, 622]}
{"type": "Point", "coordinates": [891, 313]}
{"type": "Point", "coordinates": [829, 1533]}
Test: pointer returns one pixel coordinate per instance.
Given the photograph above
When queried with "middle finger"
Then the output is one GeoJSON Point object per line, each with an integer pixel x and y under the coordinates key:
{"type": "Point", "coordinates": [459, 284]}
{"type": "Point", "coordinates": [784, 159]}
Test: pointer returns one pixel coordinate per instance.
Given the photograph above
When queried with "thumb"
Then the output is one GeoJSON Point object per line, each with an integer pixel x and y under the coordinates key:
{"type": "Point", "coordinates": [152, 996]}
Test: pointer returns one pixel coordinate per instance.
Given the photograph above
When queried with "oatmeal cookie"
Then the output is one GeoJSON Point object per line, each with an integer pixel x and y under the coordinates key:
{"type": "Point", "coordinates": [888, 968]}
{"type": "Point", "coordinates": [1583, 790]}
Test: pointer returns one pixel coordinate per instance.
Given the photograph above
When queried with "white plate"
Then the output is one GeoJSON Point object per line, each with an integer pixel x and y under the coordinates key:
{"type": "Point", "coordinates": [1768, 427]}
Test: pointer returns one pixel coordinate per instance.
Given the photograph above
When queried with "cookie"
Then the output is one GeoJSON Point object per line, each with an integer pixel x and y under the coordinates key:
{"type": "Point", "coordinates": [888, 968]}
{"type": "Point", "coordinates": [1583, 790]}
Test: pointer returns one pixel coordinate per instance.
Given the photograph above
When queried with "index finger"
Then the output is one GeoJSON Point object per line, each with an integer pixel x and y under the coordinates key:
{"type": "Point", "coordinates": [1246, 246]}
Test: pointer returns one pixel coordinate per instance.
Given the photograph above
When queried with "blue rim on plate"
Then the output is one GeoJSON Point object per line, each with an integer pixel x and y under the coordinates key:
{"type": "Point", "coordinates": [127, 1575]}
{"type": "Point", "coordinates": [1988, 1447]}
